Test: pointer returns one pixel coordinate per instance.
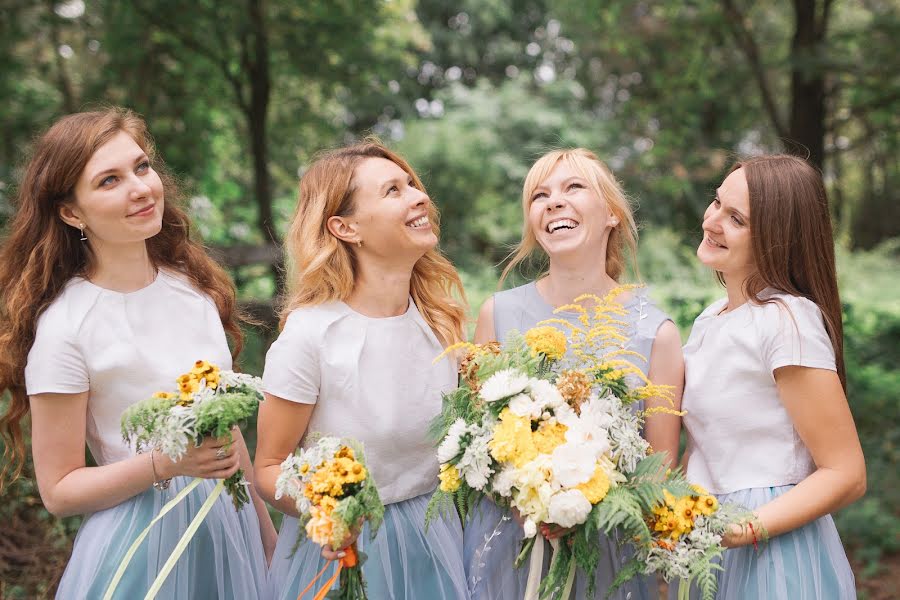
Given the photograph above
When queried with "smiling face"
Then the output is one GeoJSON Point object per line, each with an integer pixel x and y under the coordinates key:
{"type": "Point", "coordinates": [391, 216]}
{"type": "Point", "coordinates": [567, 215]}
{"type": "Point", "coordinates": [119, 197]}
{"type": "Point", "coordinates": [726, 245]}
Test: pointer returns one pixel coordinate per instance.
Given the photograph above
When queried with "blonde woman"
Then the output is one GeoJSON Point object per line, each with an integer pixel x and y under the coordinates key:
{"type": "Point", "coordinates": [371, 304]}
{"type": "Point", "coordinates": [577, 215]}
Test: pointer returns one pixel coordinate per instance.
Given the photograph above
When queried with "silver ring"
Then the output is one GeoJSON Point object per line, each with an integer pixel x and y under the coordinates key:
{"type": "Point", "coordinates": [220, 453]}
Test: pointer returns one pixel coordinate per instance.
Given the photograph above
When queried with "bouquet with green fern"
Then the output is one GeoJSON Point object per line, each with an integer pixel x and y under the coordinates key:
{"type": "Point", "coordinates": [544, 426]}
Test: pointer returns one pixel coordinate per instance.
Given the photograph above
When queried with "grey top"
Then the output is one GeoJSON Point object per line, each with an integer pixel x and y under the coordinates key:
{"type": "Point", "coordinates": [523, 307]}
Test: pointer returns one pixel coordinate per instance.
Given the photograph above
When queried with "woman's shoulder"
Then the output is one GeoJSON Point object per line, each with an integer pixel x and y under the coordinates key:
{"type": "Point", "coordinates": [67, 311]}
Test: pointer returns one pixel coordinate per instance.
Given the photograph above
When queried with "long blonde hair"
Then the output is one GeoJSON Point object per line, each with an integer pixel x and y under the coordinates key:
{"type": "Point", "coordinates": [622, 239]}
{"type": "Point", "coordinates": [323, 268]}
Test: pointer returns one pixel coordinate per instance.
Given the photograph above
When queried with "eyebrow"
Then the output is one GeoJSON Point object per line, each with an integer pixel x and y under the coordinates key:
{"type": "Point", "coordinates": [141, 157]}
{"type": "Point", "coordinates": [731, 208]}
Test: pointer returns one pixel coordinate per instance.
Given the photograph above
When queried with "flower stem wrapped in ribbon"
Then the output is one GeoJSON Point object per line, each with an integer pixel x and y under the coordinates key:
{"type": "Point", "coordinates": [545, 425]}
{"type": "Point", "coordinates": [207, 402]}
{"type": "Point", "coordinates": [334, 495]}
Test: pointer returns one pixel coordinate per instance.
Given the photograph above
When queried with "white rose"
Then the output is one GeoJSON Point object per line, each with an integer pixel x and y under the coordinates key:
{"type": "Point", "coordinates": [530, 528]}
{"type": "Point", "coordinates": [569, 508]}
{"type": "Point", "coordinates": [522, 405]}
{"type": "Point", "coordinates": [572, 465]}
{"type": "Point", "coordinates": [545, 393]}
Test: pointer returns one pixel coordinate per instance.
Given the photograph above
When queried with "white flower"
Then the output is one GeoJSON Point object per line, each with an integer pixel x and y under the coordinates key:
{"type": "Point", "coordinates": [524, 406]}
{"type": "Point", "coordinates": [503, 384]}
{"type": "Point", "coordinates": [572, 465]}
{"type": "Point", "coordinates": [475, 464]}
{"type": "Point", "coordinates": [584, 433]}
{"type": "Point", "coordinates": [533, 488]}
{"type": "Point", "coordinates": [569, 508]}
{"type": "Point", "coordinates": [530, 528]}
{"type": "Point", "coordinates": [545, 393]}
{"type": "Point", "coordinates": [503, 481]}
{"type": "Point", "coordinates": [175, 431]}
{"type": "Point", "coordinates": [229, 379]}
{"type": "Point", "coordinates": [450, 447]}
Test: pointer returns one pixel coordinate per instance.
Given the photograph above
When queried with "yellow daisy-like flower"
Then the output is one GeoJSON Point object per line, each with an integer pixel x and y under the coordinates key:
{"type": "Point", "coordinates": [706, 505]}
{"type": "Point", "coordinates": [345, 452]}
{"type": "Point", "coordinates": [512, 440]}
{"type": "Point", "coordinates": [207, 371]}
{"type": "Point", "coordinates": [549, 341]}
{"type": "Point", "coordinates": [595, 488]}
{"type": "Point", "coordinates": [187, 383]}
{"type": "Point", "coordinates": [548, 437]}
{"type": "Point", "coordinates": [701, 491]}
{"type": "Point", "coordinates": [449, 477]}
{"type": "Point", "coordinates": [164, 395]}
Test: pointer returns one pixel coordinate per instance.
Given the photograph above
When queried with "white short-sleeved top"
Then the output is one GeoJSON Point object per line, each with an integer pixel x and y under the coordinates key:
{"type": "Point", "coordinates": [739, 434]}
{"type": "Point", "coordinates": [121, 348]}
{"type": "Point", "coordinates": [371, 379]}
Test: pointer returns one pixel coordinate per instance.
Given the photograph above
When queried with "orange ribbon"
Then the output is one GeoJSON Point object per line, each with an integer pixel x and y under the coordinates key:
{"type": "Point", "coordinates": [350, 560]}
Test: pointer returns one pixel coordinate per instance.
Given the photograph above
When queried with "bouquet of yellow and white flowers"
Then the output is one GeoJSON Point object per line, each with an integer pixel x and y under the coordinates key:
{"type": "Point", "coordinates": [334, 494]}
{"type": "Point", "coordinates": [544, 425]}
{"type": "Point", "coordinates": [685, 543]}
{"type": "Point", "coordinates": [206, 402]}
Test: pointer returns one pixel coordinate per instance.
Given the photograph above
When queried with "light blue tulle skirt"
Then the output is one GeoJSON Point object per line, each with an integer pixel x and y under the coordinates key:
{"type": "Point", "coordinates": [224, 559]}
{"type": "Point", "coordinates": [808, 563]}
{"type": "Point", "coordinates": [492, 541]}
{"type": "Point", "coordinates": [404, 561]}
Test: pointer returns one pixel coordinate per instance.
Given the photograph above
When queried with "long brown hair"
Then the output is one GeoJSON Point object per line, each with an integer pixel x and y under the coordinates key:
{"type": "Point", "coordinates": [41, 253]}
{"type": "Point", "coordinates": [622, 240]}
{"type": "Point", "coordinates": [791, 238]}
{"type": "Point", "coordinates": [323, 268]}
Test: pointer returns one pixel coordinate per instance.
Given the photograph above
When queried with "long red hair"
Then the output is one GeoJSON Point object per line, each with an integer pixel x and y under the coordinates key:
{"type": "Point", "coordinates": [40, 253]}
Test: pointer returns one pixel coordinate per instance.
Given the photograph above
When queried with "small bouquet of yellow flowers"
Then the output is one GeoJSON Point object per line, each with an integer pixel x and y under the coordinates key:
{"type": "Point", "coordinates": [545, 425]}
{"type": "Point", "coordinates": [206, 402]}
{"type": "Point", "coordinates": [334, 494]}
{"type": "Point", "coordinates": [685, 543]}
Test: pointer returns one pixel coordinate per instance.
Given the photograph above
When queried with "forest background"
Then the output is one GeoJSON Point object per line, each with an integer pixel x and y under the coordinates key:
{"type": "Point", "coordinates": [241, 94]}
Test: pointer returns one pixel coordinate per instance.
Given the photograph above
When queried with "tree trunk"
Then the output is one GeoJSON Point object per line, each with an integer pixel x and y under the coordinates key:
{"type": "Point", "coordinates": [806, 129]}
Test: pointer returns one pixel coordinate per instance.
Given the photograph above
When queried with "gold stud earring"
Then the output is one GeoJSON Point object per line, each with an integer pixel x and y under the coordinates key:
{"type": "Point", "coordinates": [359, 243]}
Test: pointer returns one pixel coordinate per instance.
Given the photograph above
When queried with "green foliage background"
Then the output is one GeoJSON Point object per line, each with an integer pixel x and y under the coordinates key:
{"type": "Point", "coordinates": [240, 95]}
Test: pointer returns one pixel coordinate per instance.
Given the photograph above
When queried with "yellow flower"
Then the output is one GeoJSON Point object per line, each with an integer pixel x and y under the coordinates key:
{"type": "Point", "coordinates": [548, 437]}
{"type": "Point", "coordinates": [345, 452]}
{"type": "Point", "coordinates": [706, 505]}
{"type": "Point", "coordinates": [701, 491]}
{"type": "Point", "coordinates": [595, 488]}
{"type": "Point", "coordinates": [207, 371]}
{"type": "Point", "coordinates": [187, 383]}
{"type": "Point", "coordinates": [320, 526]}
{"type": "Point", "coordinates": [549, 341]}
{"type": "Point", "coordinates": [449, 477]}
{"type": "Point", "coordinates": [512, 440]}
{"type": "Point", "coordinates": [164, 395]}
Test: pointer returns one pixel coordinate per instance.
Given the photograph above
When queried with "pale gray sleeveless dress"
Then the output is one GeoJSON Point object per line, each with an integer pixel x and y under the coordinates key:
{"type": "Point", "coordinates": [491, 537]}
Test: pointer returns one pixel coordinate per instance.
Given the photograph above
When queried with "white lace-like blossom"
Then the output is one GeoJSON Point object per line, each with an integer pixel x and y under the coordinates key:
{"type": "Point", "coordinates": [503, 384]}
{"type": "Point", "coordinates": [475, 464]}
{"type": "Point", "coordinates": [174, 431]}
{"type": "Point", "coordinates": [569, 508]}
{"type": "Point", "coordinates": [228, 379]}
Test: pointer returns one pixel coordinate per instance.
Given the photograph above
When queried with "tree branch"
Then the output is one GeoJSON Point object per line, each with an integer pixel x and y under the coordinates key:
{"type": "Point", "coordinates": [749, 47]}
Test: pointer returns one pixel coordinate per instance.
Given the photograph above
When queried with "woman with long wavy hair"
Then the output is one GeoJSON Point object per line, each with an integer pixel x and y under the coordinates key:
{"type": "Point", "coordinates": [577, 217]}
{"type": "Point", "coordinates": [104, 299]}
{"type": "Point", "coordinates": [371, 303]}
{"type": "Point", "coordinates": [768, 422]}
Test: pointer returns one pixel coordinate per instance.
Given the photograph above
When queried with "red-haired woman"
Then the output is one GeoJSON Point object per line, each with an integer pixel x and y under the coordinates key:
{"type": "Point", "coordinates": [371, 304]}
{"type": "Point", "coordinates": [105, 299]}
{"type": "Point", "coordinates": [767, 418]}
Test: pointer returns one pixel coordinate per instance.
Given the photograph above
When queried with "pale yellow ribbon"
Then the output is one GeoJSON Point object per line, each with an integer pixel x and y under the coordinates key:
{"type": "Point", "coordinates": [140, 538]}
{"type": "Point", "coordinates": [185, 539]}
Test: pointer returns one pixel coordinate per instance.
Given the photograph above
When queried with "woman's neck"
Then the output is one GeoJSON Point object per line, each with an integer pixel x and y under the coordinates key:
{"type": "Point", "coordinates": [122, 268]}
{"type": "Point", "coordinates": [381, 290]}
{"type": "Point", "coordinates": [736, 290]}
{"type": "Point", "coordinates": [565, 283]}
